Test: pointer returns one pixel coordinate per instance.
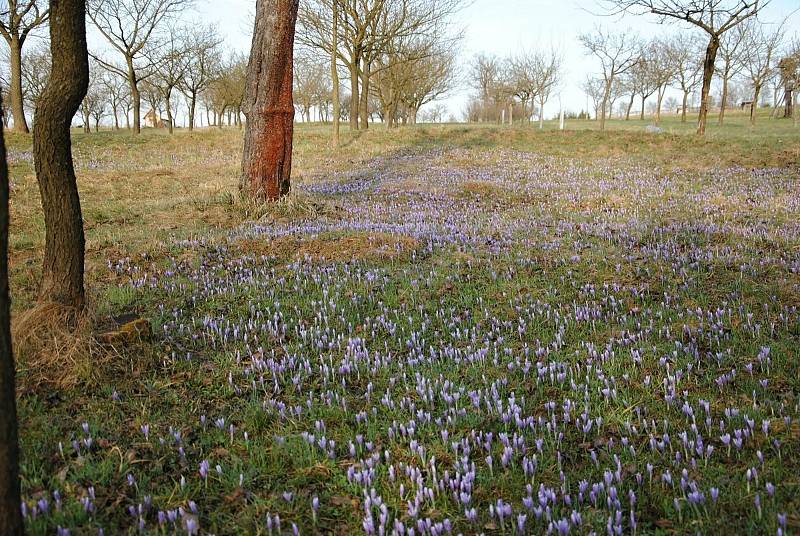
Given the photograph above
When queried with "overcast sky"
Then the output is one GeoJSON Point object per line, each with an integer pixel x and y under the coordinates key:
{"type": "Point", "coordinates": [502, 27]}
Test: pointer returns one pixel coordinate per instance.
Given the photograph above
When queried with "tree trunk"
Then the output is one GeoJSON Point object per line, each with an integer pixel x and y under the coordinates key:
{"type": "Point", "coordinates": [168, 106]}
{"type": "Point", "coordinates": [754, 106]}
{"type": "Point", "coordinates": [10, 514]}
{"type": "Point", "coordinates": [337, 106]}
{"type": "Point", "coordinates": [354, 100]}
{"type": "Point", "coordinates": [268, 105]}
{"type": "Point", "coordinates": [86, 118]}
{"type": "Point", "coordinates": [724, 100]}
{"type": "Point", "coordinates": [541, 114]}
{"type": "Point", "coordinates": [641, 114]}
{"type": "Point", "coordinates": [62, 273]}
{"type": "Point", "coordinates": [192, 107]}
{"type": "Point", "coordinates": [364, 106]}
{"type": "Point", "coordinates": [708, 75]}
{"type": "Point", "coordinates": [15, 91]}
{"type": "Point", "coordinates": [604, 105]}
{"type": "Point", "coordinates": [136, 100]}
{"type": "Point", "coordinates": [685, 104]}
{"type": "Point", "coordinates": [659, 100]}
{"type": "Point", "coordinates": [630, 107]}
{"type": "Point", "coordinates": [116, 117]}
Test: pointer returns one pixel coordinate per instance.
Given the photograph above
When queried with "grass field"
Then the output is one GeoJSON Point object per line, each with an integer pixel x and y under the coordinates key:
{"type": "Point", "coordinates": [444, 329]}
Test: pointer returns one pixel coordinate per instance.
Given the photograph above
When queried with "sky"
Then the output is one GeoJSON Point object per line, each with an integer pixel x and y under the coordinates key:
{"type": "Point", "coordinates": [503, 27]}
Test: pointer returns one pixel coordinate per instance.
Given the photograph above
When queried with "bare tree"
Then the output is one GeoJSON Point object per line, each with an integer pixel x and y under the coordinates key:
{"type": "Point", "coordinates": [18, 18]}
{"type": "Point", "coordinates": [268, 106]}
{"type": "Point", "coordinates": [731, 53]}
{"type": "Point", "coordinates": [170, 61]}
{"type": "Point", "coordinates": [789, 67]}
{"type": "Point", "coordinates": [95, 104]}
{"type": "Point", "coordinates": [203, 62]}
{"type": "Point", "coordinates": [688, 70]}
{"type": "Point", "coordinates": [618, 53]}
{"type": "Point", "coordinates": [715, 17]}
{"type": "Point", "coordinates": [334, 55]}
{"type": "Point", "coordinates": [595, 89]}
{"type": "Point", "coordinates": [129, 26]}
{"type": "Point", "coordinates": [116, 90]}
{"type": "Point", "coordinates": [10, 514]}
{"type": "Point", "coordinates": [661, 66]}
{"type": "Point", "coordinates": [62, 273]}
{"type": "Point", "coordinates": [548, 76]}
{"type": "Point", "coordinates": [759, 50]}
{"type": "Point", "coordinates": [35, 73]}
{"type": "Point", "coordinates": [310, 83]}
{"type": "Point", "coordinates": [485, 74]}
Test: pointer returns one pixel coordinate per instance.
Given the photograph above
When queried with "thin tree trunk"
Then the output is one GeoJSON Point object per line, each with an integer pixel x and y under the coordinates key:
{"type": "Point", "coordinates": [364, 106]}
{"type": "Point", "coordinates": [541, 114]}
{"type": "Point", "coordinates": [724, 101]}
{"type": "Point", "coordinates": [641, 114]}
{"type": "Point", "coordinates": [354, 100]}
{"type": "Point", "coordinates": [604, 105]}
{"type": "Point", "coordinates": [169, 111]}
{"type": "Point", "coordinates": [708, 75]}
{"type": "Point", "coordinates": [659, 100]}
{"type": "Point", "coordinates": [337, 106]}
{"type": "Point", "coordinates": [15, 91]}
{"type": "Point", "coordinates": [685, 104]}
{"type": "Point", "coordinates": [116, 117]}
{"type": "Point", "coordinates": [268, 105]}
{"type": "Point", "coordinates": [136, 101]}
{"type": "Point", "coordinates": [630, 107]}
{"type": "Point", "coordinates": [192, 107]}
{"type": "Point", "coordinates": [10, 514]}
{"type": "Point", "coordinates": [754, 106]}
{"type": "Point", "coordinates": [62, 273]}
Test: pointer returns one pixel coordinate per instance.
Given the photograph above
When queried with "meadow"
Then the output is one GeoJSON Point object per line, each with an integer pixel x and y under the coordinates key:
{"type": "Point", "coordinates": [444, 329]}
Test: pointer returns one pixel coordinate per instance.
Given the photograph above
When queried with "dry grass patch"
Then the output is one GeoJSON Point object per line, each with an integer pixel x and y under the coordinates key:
{"type": "Point", "coordinates": [482, 189]}
{"type": "Point", "coordinates": [331, 247]}
{"type": "Point", "coordinates": [57, 347]}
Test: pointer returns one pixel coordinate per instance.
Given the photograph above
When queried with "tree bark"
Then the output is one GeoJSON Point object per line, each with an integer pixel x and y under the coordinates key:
{"type": "Point", "coordinates": [10, 514]}
{"type": "Point", "coordinates": [169, 111]}
{"type": "Point", "coordinates": [641, 113]}
{"type": "Point", "coordinates": [630, 107]}
{"type": "Point", "coordinates": [754, 106]}
{"type": "Point", "coordinates": [659, 100]}
{"type": "Point", "coordinates": [62, 273]}
{"type": "Point", "coordinates": [268, 104]}
{"type": "Point", "coordinates": [192, 107]}
{"type": "Point", "coordinates": [708, 75]}
{"type": "Point", "coordinates": [136, 100]}
{"type": "Point", "coordinates": [604, 105]}
{"type": "Point", "coordinates": [685, 103]}
{"type": "Point", "coordinates": [337, 107]}
{"type": "Point", "coordinates": [15, 91]}
{"type": "Point", "coordinates": [354, 100]}
{"type": "Point", "coordinates": [364, 106]}
{"type": "Point", "coordinates": [724, 101]}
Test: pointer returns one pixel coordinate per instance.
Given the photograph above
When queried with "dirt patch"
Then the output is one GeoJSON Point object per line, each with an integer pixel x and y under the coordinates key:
{"type": "Point", "coordinates": [482, 189]}
{"type": "Point", "coordinates": [331, 247]}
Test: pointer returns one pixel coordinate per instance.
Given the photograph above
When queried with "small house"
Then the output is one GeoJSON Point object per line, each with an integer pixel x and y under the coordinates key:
{"type": "Point", "coordinates": [151, 120]}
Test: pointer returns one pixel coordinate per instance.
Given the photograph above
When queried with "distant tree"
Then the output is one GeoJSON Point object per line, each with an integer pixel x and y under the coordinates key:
{"type": "Point", "coordinates": [203, 63]}
{"type": "Point", "coordinates": [760, 49]}
{"type": "Point", "coordinates": [94, 106]}
{"type": "Point", "coordinates": [688, 70]}
{"type": "Point", "coordinates": [715, 17]}
{"type": "Point", "coordinates": [268, 106]}
{"type": "Point", "coordinates": [661, 66]}
{"type": "Point", "coordinates": [310, 82]}
{"type": "Point", "coordinates": [130, 26]}
{"type": "Point", "coordinates": [10, 514]}
{"type": "Point", "coordinates": [62, 272]}
{"type": "Point", "coordinates": [115, 88]}
{"type": "Point", "coordinates": [334, 59]}
{"type": "Point", "coordinates": [485, 73]}
{"type": "Point", "coordinates": [548, 76]}
{"type": "Point", "coordinates": [618, 53]}
{"type": "Point", "coordinates": [171, 60]}
{"type": "Point", "coordinates": [731, 53]}
{"type": "Point", "coordinates": [35, 72]}
{"type": "Point", "coordinates": [18, 18]}
{"type": "Point", "coordinates": [594, 87]}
